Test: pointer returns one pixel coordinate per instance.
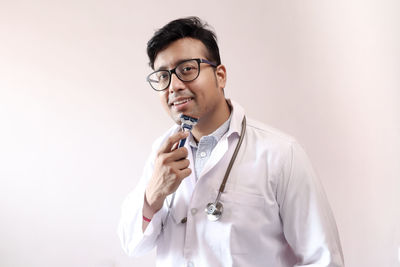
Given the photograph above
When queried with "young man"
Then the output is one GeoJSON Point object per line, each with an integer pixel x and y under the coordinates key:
{"type": "Point", "coordinates": [271, 210]}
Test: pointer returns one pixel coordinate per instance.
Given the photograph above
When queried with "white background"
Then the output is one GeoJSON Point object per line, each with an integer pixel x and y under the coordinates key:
{"type": "Point", "coordinates": [77, 118]}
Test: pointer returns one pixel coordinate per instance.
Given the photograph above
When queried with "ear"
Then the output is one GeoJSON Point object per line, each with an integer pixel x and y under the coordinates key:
{"type": "Point", "coordinates": [220, 74]}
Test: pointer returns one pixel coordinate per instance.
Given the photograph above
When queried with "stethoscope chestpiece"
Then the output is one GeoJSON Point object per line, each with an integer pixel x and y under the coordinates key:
{"type": "Point", "coordinates": [214, 211]}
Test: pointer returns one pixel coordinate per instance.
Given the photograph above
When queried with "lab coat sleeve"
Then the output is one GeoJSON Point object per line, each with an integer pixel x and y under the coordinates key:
{"type": "Point", "coordinates": [134, 242]}
{"type": "Point", "coordinates": [308, 222]}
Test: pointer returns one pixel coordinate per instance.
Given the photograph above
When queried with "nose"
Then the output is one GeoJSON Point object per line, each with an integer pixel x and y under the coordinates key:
{"type": "Point", "coordinates": [175, 84]}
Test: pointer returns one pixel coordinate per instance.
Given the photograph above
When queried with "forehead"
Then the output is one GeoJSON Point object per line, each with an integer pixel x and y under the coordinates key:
{"type": "Point", "coordinates": [185, 48]}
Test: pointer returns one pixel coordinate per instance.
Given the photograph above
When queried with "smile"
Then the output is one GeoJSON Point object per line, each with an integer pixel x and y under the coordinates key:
{"type": "Point", "coordinates": [182, 101]}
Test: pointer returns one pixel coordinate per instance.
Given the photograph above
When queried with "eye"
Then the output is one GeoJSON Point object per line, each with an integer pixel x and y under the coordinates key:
{"type": "Point", "coordinates": [188, 68]}
{"type": "Point", "coordinates": [162, 76]}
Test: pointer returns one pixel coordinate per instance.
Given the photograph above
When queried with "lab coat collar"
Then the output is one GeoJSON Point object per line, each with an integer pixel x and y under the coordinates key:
{"type": "Point", "coordinates": [237, 117]}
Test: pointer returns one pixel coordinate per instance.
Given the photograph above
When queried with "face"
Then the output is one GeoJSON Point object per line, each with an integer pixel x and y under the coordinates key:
{"type": "Point", "coordinates": [202, 98]}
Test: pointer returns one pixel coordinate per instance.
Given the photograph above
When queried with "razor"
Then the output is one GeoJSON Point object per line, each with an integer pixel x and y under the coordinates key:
{"type": "Point", "coordinates": [187, 124]}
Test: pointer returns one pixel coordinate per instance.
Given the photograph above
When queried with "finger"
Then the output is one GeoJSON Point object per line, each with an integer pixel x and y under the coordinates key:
{"type": "Point", "coordinates": [175, 146]}
{"type": "Point", "coordinates": [184, 173]}
{"type": "Point", "coordinates": [181, 164]}
{"type": "Point", "coordinates": [169, 143]}
{"type": "Point", "coordinates": [178, 154]}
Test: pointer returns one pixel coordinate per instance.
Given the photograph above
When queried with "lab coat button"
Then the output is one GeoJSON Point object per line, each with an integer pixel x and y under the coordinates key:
{"type": "Point", "coordinates": [193, 211]}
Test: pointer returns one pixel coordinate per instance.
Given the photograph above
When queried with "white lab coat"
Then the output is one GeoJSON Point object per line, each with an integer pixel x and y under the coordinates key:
{"type": "Point", "coordinates": [275, 210]}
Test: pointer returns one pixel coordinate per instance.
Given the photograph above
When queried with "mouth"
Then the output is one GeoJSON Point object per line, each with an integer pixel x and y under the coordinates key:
{"type": "Point", "coordinates": [181, 101]}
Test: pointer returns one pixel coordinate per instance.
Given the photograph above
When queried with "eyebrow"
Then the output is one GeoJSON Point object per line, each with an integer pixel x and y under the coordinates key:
{"type": "Point", "coordinates": [176, 64]}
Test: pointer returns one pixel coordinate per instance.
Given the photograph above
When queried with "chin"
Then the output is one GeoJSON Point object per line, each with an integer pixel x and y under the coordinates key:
{"type": "Point", "coordinates": [176, 117]}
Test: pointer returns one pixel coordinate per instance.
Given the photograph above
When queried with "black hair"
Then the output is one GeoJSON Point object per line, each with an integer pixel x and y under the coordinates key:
{"type": "Point", "coordinates": [190, 27]}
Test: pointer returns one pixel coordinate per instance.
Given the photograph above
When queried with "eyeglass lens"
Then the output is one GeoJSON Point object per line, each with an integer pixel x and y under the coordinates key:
{"type": "Point", "coordinates": [186, 71]}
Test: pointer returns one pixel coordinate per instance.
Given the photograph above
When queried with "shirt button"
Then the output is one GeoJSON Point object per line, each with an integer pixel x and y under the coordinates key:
{"type": "Point", "coordinates": [190, 264]}
{"type": "Point", "coordinates": [193, 211]}
{"type": "Point", "coordinates": [203, 154]}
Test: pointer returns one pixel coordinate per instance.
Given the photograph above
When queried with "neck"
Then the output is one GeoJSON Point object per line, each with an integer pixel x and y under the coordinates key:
{"type": "Point", "coordinates": [208, 124]}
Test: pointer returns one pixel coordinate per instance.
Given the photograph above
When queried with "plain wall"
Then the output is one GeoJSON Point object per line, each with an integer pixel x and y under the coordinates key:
{"type": "Point", "coordinates": [77, 118]}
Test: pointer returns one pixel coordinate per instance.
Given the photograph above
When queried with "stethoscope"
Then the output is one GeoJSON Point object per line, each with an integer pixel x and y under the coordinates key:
{"type": "Point", "coordinates": [215, 209]}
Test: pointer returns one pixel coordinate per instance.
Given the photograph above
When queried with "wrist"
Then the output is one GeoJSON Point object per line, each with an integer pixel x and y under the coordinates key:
{"type": "Point", "coordinates": [153, 202]}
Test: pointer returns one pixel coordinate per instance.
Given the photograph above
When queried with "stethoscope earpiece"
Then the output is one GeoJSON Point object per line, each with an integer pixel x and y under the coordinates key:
{"type": "Point", "coordinates": [214, 211]}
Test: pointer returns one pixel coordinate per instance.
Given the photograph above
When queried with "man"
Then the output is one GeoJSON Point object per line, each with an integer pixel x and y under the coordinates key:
{"type": "Point", "coordinates": [272, 210]}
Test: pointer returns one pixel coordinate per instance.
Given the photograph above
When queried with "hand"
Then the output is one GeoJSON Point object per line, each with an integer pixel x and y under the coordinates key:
{"type": "Point", "coordinates": [170, 168]}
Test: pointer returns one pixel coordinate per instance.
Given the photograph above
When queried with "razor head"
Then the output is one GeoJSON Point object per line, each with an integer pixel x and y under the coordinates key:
{"type": "Point", "coordinates": [188, 122]}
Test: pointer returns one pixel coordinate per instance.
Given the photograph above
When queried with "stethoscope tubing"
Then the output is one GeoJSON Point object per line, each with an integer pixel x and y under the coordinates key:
{"type": "Point", "coordinates": [228, 170]}
{"type": "Point", "coordinates": [217, 204]}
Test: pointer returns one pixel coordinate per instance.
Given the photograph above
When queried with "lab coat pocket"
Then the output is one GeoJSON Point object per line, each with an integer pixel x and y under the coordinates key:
{"type": "Point", "coordinates": [178, 210]}
{"type": "Point", "coordinates": [243, 199]}
{"type": "Point", "coordinates": [244, 212]}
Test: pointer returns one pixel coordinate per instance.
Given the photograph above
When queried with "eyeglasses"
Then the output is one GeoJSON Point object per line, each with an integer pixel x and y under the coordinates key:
{"type": "Point", "coordinates": [186, 71]}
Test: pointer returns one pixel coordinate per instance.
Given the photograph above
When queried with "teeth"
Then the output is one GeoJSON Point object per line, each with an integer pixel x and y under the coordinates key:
{"type": "Point", "coordinates": [182, 101]}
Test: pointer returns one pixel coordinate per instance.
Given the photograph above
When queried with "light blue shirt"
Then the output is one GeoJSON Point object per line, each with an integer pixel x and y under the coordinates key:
{"type": "Point", "coordinates": [201, 151]}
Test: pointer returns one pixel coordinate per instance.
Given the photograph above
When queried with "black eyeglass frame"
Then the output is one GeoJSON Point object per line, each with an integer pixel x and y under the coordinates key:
{"type": "Point", "coordinates": [172, 71]}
